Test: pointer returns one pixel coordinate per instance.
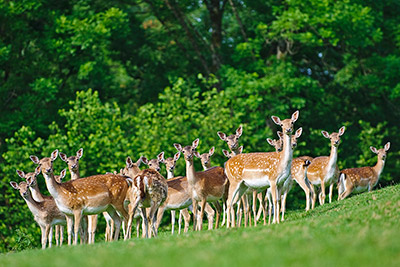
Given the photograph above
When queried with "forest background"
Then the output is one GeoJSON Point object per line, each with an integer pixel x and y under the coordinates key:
{"type": "Point", "coordinates": [130, 78]}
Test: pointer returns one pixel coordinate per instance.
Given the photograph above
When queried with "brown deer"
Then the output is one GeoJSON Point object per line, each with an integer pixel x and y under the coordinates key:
{"type": "Point", "coordinates": [205, 186]}
{"type": "Point", "coordinates": [45, 212]}
{"type": "Point", "coordinates": [39, 197]}
{"type": "Point", "coordinates": [149, 190]}
{"type": "Point", "coordinates": [86, 196]}
{"type": "Point", "coordinates": [261, 170]}
{"type": "Point", "coordinates": [323, 170]}
{"type": "Point", "coordinates": [361, 179]}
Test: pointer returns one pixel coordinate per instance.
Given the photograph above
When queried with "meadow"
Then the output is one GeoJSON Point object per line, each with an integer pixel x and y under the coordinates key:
{"type": "Point", "coordinates": [362, 230]}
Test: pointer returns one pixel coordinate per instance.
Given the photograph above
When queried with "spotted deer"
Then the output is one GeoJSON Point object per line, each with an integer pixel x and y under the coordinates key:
{"type": "Point", "coordinates": [361, 179]}
{"type": "Point", "coordinates": [205, 186]}
{"type": "Point", "coordinates": [86, 196]}
{"type": "Point", "coordinates": [261, 170]}
{"type": "Point", "coordinates": [323, 171]}
{"type": "Point", "coordinates": [149, 190]}
{"type": "Point", "coordinates": [45, 212]}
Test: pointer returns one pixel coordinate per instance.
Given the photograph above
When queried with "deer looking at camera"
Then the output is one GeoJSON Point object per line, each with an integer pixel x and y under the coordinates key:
{"type": "Point", "coordinates": [361, 179]}
{"type": "Point", "coordinates": [323, 171]}
{"type": "Point", "coordinates": [261, 170]}
{"type": "Point", "coordinates": [86, 196]}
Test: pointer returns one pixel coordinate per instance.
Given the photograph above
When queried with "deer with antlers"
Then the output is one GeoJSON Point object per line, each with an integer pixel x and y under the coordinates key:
{"type": "Point", "coordinates": [323, 171]}
{"type": "Point", "coordinates": [206, 186]}
{"type": "Point", "coordinates": [86, 196]}
{"type": "Point", "coordinates": [45, 212]}
{"type": "Point", "coordinates": [361, 179]}
{"type": "Point", "coordinates": [261, 170]}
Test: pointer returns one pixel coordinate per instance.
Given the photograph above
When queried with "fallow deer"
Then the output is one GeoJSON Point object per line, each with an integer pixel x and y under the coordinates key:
{"type": "Point", "coordinates": [205, 186]}
{"type": "Point", "coordinates": [46, 213]}
{"type": "Point", "coordinates": [323, 170]}
{"type": "Point", "coordinates": [361, 179]}
{"type": "Point", "coordinates": [86, 196]}
{"type": "Point", "coordinates": [149, 190]}
{"type": "Point", "coordinates": [261, 170]}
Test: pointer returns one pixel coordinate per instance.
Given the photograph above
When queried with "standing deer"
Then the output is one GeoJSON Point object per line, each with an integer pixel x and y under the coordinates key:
{"type": "Point", "coordinates": [86, 196]}
{"type": "Point", "coordinates": [260, 170]}
{"type": "Point", "coordinates": [149, 190]}
{"type": "Point", "coordinates": [323, 170]}
{"type": "Point", "coordinates": [45, 212]}
{"type": "Point", "coordinates": [361, 179]}
{"type": "Point", "coordinates": [205, 186]}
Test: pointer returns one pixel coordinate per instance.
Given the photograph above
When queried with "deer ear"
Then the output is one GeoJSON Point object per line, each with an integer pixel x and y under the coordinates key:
{"type": "Point", "coordinates": [270, 141]}
{"type": "Point", "coordinates": [195, 143]}
{"type": "Point", "coordinates": [144, 160]}
{"type": "Point", "coordinates": [54, 155]}
{"type": "Point", "coordinates": [128, 161]}
{"type": "Point", "coordinates": [37, 170]}
{"type": "Point", "coordinates": [226, 153]}
{"type": "Point", "coordinates": [14, 185]}
{"type": "Point", "coordinates": [295, 115]}
{"type": "Point", "coordinates": [325, 134]}
{"type": "Point", "coordinates": [240, 149]}
{"type": "Point", "coordinates": [34, 159]}
{"type": "Point", "coordinates": [176, 156]}
{"type": "Point", "coordinates": [387, 146]}
{"type": "Point", "coordinates": [299, 132]}
{"type": "Point", "coordinates": [280, 134]}
{"type": "Point", "coordinates": [197, 154]}
{"type": "Point", "coordinates": [178, 147]}
{"type": "Point", "coordinates": [160, 157]}
{"type": "Point", "coordinates": [239, 131]}
{"type": "Point", "coordinates": [62, 174]}
{"type": "Point", "coordinates": [276, 120]}
{"type": "Point", "coordinates": [29, 181]}
{"type": "Point", "coordinates": [139, 161]}
{"type": "Point", "coordinates": [63, 157]}
{"type": "Point", "coordinates": [211, 152]}
{"type": "Point", "coordinates": [21, 174]}
{"type": "Point", "coordinates": [79, 153]}
{"type": "Point", "coordinates": [341, 130]}
{"type": "Point", "coordinates": [222, 136]}
{"type": "Point", "coordinates": [373, 149]}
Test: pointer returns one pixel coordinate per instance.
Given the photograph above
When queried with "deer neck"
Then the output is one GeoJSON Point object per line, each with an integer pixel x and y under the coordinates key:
{"type": "Point", "coordinates": [170, 174]}
{"type": "Point", "coordinates": [378, 168]}
{"type": "Point", "coordinates": [75, 175]}
{"type": "Point", "coordinates": [33, 205]}
{"type": "Point", "coordinates": [286, 155]}
{"type": "Point", "coordinates": [54, 188]}
{"type": "Point", "coordinates": [36, 194]}
{"type": "Point", "coordinates": [205, 167]}
{"type": "Point", "coordinates": [332, 158]}
{"type": "Point", "coordinates": [190, 172]}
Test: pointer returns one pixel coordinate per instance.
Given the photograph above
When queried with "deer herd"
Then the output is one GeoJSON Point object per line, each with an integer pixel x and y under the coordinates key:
{"type": "Point", "coordinates": [247, 178]}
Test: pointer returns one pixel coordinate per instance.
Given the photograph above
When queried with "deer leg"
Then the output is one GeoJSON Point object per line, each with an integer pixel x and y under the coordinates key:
{"type": "Point", "coordinates": [270, 206]}
{"type": "Point", "coordinates": [283, 204]}
{"type": "Point", "coordinates": [131, 212]}
{"type": "Point", "coordinates": [50, 236]}
{"type": "Point", "coordinates": [322, 194]}
{"type": "Point", "coordinates": [56, 234]}
{"type": "Point", "coordinates": [179, 222]}
{"type": "Point", "coordinates": [77, 224]}
{"type": "Point", "coordinates": [255, 207]}
{"type": "Point", "coordinates": [70, 220]}
{"type": "Point", "coordinates": [194, 205]}
{"type": "Point", "coordinates": [314, 196]}
{"type": "Point", "coordinates": [210, 215]}
{"type": "Point", "coordinates": [145, 222]}
{"type": "Point", "coordinates": [218, 208]}
{"type": "Point", "coordinates": [202, 206]}
{"type": "Point", "coordinates": [45, 234]}
{"type": "Point", "coordinates": [61, 235]}
{"type": "Point", "coordinates": [160, 213]}
{"type": "Point", "coordinates": [274, 193]}
{"type": "Point", "coordinates": [152, 217]}
{"type": "Point", "coordinates": [186, 216]}
{"type": "Point", "coordinates": [117, 221]}
{"type": "Point", "coordinates": [173, 214]}
{"type": "Point", "coordinates": [330, 192]}
{"type": "Point", "coordinates": [223, 213]}
{"type": "Point", "coordinates": [306, 188]}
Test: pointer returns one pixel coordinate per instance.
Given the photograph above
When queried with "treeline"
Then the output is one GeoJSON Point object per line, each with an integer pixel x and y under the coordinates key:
{"type": "Point", "coordinates": [131, 78]}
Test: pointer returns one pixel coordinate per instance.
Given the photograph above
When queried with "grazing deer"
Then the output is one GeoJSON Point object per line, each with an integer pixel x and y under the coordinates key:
{"type": "Point", "coordinates": [206, 186]}
{"type": "Point", "coordinates": [323, 170]}
{"type": "Point", "coordinates": [86, 196]}
{"type": "Point", "coordinates": [261, 170]}
{"type": "Point", "coordinates": [149, 190]}
{"type": "Point", "coordinates": [39, 197]}
{"type": "Point", "coordinates": [45, 212]}
{"type": "Point", "coordinates": [361, 179]}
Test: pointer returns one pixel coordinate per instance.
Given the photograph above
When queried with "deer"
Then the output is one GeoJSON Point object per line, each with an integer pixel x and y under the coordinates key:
{"type": "Point", "coordinates": [260, 170]}
{"type": "Point", "coordinates": [39, 197]}
{"type": "Point", "coordinates": [358, 180]}
{"type": "Point", "coordinates": [323, 170]}
{"type": "Point", "coordinates": [206, 186]}
{"type": "Point", "coordinates": [45, 212]}
{"type": "Point", "coordinates": [86, 196]}
{"type": "Point", "coordinates": [149, 190]}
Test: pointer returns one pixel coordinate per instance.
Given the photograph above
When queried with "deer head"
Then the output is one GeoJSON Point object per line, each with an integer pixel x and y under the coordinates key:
{"type": "Point", "coordinates": [231, 140]}
{"type": "Point", "coordinates": [287, 124]}
{"type": "Point", "coordinates": [46, 164]}
{"type": "Point", "coordinates": [22, 187]}
{"type": "Point", "coordinates": [334, 137]}
{"type": "Point", "coordinates": [381, 152]}
{"type": "Point", "coordinates": [131, 168]}
{"type": "Point", "coordinates": [188, 151]}
{"type": "Point", "coordinates": [31, 176]}
{"type": "Point", "coordinates": [170, 162]}
{"type": "Point", "coordinates": [61, 176]}
{"type": "Point", "coordinates": [205, 157]}
{"type": "Point", "coordinates": [72, 161]}
{"type": "Point", "coordinates": [154, 163]}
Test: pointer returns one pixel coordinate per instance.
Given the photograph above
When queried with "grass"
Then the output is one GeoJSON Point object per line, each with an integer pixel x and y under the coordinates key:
{"type": "Point", "coordinates": [363, 230]}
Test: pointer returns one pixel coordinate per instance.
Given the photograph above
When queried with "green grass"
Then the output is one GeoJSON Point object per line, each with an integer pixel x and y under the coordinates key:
{"type": "Point", "coordinates": [363, 230]}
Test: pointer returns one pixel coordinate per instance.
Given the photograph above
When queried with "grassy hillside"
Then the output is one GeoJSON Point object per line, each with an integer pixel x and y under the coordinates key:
{"type": "Point", "coordinates": [363, 230]}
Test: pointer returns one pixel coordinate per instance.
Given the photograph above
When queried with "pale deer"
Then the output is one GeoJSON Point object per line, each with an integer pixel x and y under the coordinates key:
{"type": "Point", "coordinates": [323, 171]}
{"type": "Point", "coordinates": [39, 197]}
{"type": "Point", "coordinates": [45, 212]}
{"type": "Point", "coordinates": [260, 170]}
{"type": "Point", "coordinates": [205, 186]}
{"type": "Point", "coordinates": [358, 180]}
{"type": "Point", "coordinates": [149, 190]}
{"type": "Point", "coordinates": [86, 196]}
